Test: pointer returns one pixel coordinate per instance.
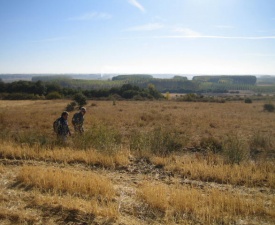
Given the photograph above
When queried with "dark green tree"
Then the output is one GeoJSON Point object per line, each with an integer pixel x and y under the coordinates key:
{"type": "Point", "coordinates": [2, 86]}
{"type": "Point", "coordinates": [154, 92]}
{"type": "Point", "coordinates": [80, 99]}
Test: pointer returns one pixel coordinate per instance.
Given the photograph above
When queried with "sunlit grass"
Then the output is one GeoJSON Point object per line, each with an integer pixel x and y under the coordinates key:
{"type": "Point", "coordinates": [213, 168]}
{"type": "Point", "coordinates": [166, 133]}
{"type": "Point", "coordinates": [196, 120]}
{"type": "Point", "coordinates": [108, 210]}
{"type": "Point", "coordinates": [84, 184]}
{"type": "Point", "coordinates": [67, 155]}
{"type": "Point", "coordinates": [209, 206]}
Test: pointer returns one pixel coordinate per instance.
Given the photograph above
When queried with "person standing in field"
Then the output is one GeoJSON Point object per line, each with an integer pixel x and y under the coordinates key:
{"type": "Point", "coordinates": [78, 120]}
{"type": "Point", "coordinates": [61, 127]}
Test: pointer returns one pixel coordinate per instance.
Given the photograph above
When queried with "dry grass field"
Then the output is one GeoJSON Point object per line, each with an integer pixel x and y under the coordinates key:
{"type": "Point", "coordinates": [138, 162]}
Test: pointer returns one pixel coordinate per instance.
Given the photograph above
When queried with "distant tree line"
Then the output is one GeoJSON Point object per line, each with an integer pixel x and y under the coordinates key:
{"type": "Point", "coordinates": [128, 87]}
{"type": "Point", "coordinates": [54, 90]}
{"type": "Point", "coordinates": [251, 80]}
{"type": "Point", "coordinates": [133, 77]}
{"type": "Point", "coordinates": [266, 80]}
{"type": "Point", "coordinates": [126, 91]}
{"type": "Point", "coordinates": [51, 78]}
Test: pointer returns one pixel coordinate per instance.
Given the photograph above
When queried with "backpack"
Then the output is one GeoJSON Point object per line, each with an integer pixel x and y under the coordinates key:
{"type": "Point", "coordinates": [56, 125]}
{"type": "Point", "coordinates": [75, 119]}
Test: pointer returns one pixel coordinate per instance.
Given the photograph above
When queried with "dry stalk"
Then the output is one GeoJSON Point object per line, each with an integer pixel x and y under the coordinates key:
{"type": "Point", "coordinates": [56, 180]}
{"type": "Point", "coordinates": [247, 173]}
{"type": "Point", "coordinates": [209, 206]}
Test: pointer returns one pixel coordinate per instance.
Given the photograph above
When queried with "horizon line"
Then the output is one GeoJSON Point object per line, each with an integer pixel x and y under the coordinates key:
{"type": "Point", "coordinates": [94, 73]}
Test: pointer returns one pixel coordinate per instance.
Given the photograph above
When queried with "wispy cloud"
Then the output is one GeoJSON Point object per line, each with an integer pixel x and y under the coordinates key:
{"type": "Point", "coordinates": [215, 37]}
{"type": "Point", "coordinates": [91, 16]}
{"type": "Point", "coordinates": [146, 27]}
{"type": "Point", "coordinates": [137, 4]}
{"type": "Point", "coordinates": [208, 37]}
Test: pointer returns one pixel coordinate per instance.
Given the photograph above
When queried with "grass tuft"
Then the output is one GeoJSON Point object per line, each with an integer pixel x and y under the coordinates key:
{"type": "Point", "coordinates": [56, 180]}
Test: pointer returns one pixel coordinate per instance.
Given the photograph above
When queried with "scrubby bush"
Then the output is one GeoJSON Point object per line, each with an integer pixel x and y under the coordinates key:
{"type": "Point", "coordinates": [53, 95]}
{"type": "Point", "coordinates": [211, 144]}
{"type": "Point", "coordinates": [247, 100]}
{"type": "Point", "coordinates": [32, 138]}
{"type": "Point", "coordinates": [235, 149]}
{"type": "Point", "coordinates": [21, 96]}
{"type": "Point", "coordinates": [159, 141]}
{"type": "Point", "coordinates": [262, 143]}
{"type": "Point", "coordinates": [80, 99]}
{"type": "Point", "coordinates": [164, 142]}
{"type": "Point", "coordinates": [100, 137]}
{"type": "Point", "coordinates": [70, 107]}
{"type": "Point", "coordinates": [269, 107]}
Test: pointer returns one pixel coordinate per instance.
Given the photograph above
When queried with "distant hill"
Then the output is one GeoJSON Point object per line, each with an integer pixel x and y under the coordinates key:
{"type": "Point", "coordinates": [133, 77]}
{"type": "Point", "coordinates": [266, 80]}
{"type": "Point", "coordinates": [15, 77]}
{"type": "Point", "coordinates": [248, 79]}
{"type": "Point", "coordinates": [174, 84]}
{"type": "Point", "coordinates": [93, 76]}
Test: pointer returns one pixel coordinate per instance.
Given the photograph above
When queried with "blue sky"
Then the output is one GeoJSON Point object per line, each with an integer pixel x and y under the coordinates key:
{"type": "Point", "coordinates": [138, 36]}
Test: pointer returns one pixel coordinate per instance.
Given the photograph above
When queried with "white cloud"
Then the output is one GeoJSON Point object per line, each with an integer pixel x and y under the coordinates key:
{"type": "Point", "coordinates": [146, 27]}
{"type": "Point", "coordinates": [137, 4]}
{"type": "Point", "coordinates": [213, 37]}
{"type": "Point", "coordinates": [187, 32]}
{"type": "Point", "coordinates": [91, 16]}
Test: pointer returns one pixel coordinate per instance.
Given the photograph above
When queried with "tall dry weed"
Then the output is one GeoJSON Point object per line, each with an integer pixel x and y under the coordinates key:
{"type": "Point", "coordinates": [62, 154]}
{"type": "Point", "coordinates": [56, 180]}
{"type": "Point", "coordinates": [100, 137]}
{"type": "Point", "coordinates": [107, 210]}
{"type": "Point", "coordinates": [216, 170]}
{"type": "Point", "coordinates": [209, 206]}
{"type": "Point", "coordinates": [159, 141]}
{"type": "Point", "coordinates": [235, 149]}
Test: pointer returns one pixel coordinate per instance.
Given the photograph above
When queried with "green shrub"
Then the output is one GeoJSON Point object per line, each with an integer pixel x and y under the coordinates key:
{"type": "Point", "coordinates": [262, 144]}
{"type": "Point", "coordinates": [269, 107]}
{"type": "Point", "coordinates": [53, 95]}
{"type": "Point", "coordinates": [32, 138]}
{"type": "Point", "coordinates": [139, 142]}
{"type": "Point", "coordinates": [4, 131]}
{"type": "Point", "coordinates": [211, 144]}
{"type": "Point", "coordinates": [21, 96]}
{"type": "Point", "coordinates": [247, 100]}
{"type": "Point", "coordinates": [260, 141]}
{"type": "Point", "coordinates": [70, 107]}
{"type": "Point", "coordinates": [164, 142]}
{"type": "Point", "coordinates": [100, 137]}
{"type": "Point", "coordinates": [80, 99]}
{"type": "Point", "coordinates": [160, 141]}
{"type": "Point", "coordinates": [235, 149]}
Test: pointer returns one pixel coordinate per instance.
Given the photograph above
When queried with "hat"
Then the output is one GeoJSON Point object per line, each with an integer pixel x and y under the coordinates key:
{"type": "Point", "coordinates": [64, 113]}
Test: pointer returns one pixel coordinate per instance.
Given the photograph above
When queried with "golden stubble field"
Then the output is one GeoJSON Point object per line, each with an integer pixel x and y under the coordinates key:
{"type": "Point", "coordinates": [222, 171]}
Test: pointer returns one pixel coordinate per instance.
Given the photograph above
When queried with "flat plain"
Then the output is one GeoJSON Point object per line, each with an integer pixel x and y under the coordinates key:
{"type": "Point", "coordinates": [138, 162]}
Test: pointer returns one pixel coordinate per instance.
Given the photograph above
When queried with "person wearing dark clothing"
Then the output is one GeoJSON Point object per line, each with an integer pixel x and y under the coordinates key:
{"type": "Point", "coordinates": [78, 120]}
{"type": "Point", "coordinates": [63, 129]}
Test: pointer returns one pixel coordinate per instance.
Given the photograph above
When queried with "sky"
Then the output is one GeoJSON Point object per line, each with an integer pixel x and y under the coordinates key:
{"type": "Point", "coordinates": [201, 37]}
